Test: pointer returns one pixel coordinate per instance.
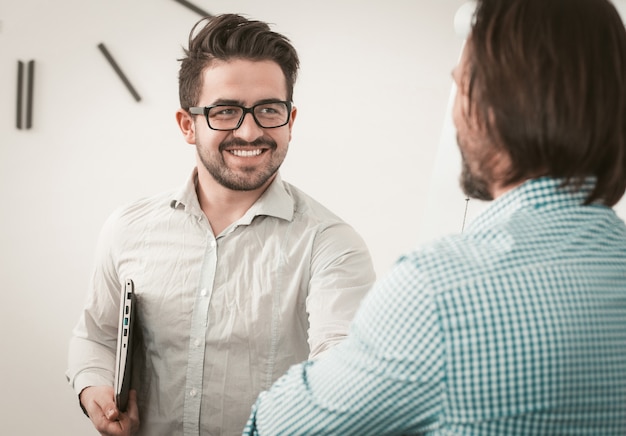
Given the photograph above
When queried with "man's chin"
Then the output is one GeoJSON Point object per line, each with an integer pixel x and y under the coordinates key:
{"type": "Point", "coordinates": [247, 181]}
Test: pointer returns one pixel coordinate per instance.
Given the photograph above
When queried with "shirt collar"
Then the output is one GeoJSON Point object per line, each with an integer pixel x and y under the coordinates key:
{"type": "Point", "coordinates": [540, 193]}
{"type": "Point", "coordinates": [276, 201]}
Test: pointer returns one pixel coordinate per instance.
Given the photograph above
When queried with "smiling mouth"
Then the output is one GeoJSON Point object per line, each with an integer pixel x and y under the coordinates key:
{"type": "Point", "coordinates": [246, 153]}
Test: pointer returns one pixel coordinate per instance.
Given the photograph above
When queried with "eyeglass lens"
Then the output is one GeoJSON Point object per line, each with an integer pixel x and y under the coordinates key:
{"type": "Point", "coordinates": [267, 115]}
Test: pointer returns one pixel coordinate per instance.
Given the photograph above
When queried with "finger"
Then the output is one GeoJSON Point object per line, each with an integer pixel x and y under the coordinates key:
{"type": "Point", "coordinates": [109, 410]}
{"type": "Point", "coordinates": [133, 411]}
{"type": "Point", "coordinates": [99, 400]}
{"type": "Point", "coordinates": [110, 428]}
{"type": "Point", "coordinates": [100, 406]}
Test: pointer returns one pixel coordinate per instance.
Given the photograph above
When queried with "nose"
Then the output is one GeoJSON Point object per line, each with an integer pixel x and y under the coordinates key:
{"type": "Point", "coordinates": [249, 130]}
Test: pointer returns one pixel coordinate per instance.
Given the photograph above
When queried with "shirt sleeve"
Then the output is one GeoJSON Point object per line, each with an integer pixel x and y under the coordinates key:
{"type": "Point", "coordinates": [341, 275]}
{"type": "Point", "coordinates": [91, 356]}
{"type": "Point", "coordinates": [386, 377]}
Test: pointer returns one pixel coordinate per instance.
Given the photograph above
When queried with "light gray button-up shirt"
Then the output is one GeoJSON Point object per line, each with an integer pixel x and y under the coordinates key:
{"type": "Point", "coordinates": [222, 316]}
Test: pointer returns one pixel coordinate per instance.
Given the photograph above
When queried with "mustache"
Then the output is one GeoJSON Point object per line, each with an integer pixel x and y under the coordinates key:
{"type": "Point", "coordinates": [238, 142]}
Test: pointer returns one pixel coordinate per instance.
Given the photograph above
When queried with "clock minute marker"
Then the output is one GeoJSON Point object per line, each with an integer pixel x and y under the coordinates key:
{"type": "Point", "coordinates": [119, 71]}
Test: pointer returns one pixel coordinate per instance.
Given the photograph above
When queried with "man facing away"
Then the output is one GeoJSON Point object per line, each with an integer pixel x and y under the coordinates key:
{"type": "Point", "coordinates": [239, 274]}
{"type": "Point", "coordinates": [518, 325]}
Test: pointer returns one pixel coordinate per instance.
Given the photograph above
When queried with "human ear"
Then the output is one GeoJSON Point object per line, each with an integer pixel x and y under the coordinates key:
{"type": "Point", "coordinates": [187, 125]}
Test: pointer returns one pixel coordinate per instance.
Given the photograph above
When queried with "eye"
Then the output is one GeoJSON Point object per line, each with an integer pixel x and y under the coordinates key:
{"type": "Point", "coordinates": [271, 109]}
{"type": "Point", "coordinates": [267, 110]}
{"type": "Point", "coordinates": [225, 112]}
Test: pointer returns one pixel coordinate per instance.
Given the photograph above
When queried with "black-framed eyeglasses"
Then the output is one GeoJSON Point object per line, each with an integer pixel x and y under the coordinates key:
{"type": "Point", "coordinates": [267, 115]}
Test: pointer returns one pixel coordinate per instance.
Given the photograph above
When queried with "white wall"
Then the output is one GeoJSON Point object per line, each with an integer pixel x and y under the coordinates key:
{"type": "Point", "coordinates": [380, 70]}
{"type": "Point", "coordinates": [93, 148]}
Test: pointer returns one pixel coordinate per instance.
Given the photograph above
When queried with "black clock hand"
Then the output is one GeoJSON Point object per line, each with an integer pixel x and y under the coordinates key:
{"type": "Point", "coordinates": [193, 8]}
{"type": "Point", "coordinates": [119, 71]}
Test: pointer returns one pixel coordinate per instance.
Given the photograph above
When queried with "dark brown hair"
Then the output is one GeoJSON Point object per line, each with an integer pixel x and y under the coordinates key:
{"type": "Point", "coordinates": [231, 36]}
{"type": "Point", "coordinates": [548, 81]}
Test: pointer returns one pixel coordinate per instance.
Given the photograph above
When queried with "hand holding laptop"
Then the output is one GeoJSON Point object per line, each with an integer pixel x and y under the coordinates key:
{"type": "Point", "coordinates": [113, 410]}
{"type": "Point", "coordinates": [125, 346]}
{"type": "Point", "coordinates": [99, 404]}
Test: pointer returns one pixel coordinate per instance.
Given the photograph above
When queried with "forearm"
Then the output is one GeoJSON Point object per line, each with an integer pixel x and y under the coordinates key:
{"type": "Point", "coordinates": [331, 312]}
{"type": "Point", "coordinates": [341, 276]}
{"type": "Point", "coordinates": [89, 364]}
{"type": "Point", "coordinates": [91, 354]}
{"type": "Point", "coordinates": [386, 377]}
{"type": "Point", "coordinates": [332, 396]}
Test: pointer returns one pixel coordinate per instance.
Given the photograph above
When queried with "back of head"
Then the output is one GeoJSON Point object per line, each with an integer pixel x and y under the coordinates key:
{"type": "Point", "coordinates": [548, 82]}
{"type": "Point", "coordinates": [231, 36]}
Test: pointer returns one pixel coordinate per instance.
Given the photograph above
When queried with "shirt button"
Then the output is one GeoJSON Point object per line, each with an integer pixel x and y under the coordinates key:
{"type": "Point", "coordinates": [197, 342]}
{"type": "Point", "coordinates": [192, 393]}
{"type": "Point", "coordinates": [203, 292]}
{"type": "Point", "coordinates": [213, 243]}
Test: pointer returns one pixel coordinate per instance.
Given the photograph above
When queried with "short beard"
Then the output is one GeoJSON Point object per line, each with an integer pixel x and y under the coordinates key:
{"type": "Point", "coordinates": [473, 185]}
{"type": "Point", "coordinates": [228, 179]}
{"type": "Point", "coordinates": [235, 183]}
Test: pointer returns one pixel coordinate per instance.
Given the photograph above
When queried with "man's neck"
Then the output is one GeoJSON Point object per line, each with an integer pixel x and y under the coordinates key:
{"type": "Point", "coordinates": [499, 190]}
{"type": "Point", "coordinates": [223, 206]}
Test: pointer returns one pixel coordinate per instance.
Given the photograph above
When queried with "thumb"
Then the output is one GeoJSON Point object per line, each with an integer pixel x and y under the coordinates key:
{"type": "Point", "coordinates": [132, 403]}
{"type": "Point", "coordinates": [132, 411]}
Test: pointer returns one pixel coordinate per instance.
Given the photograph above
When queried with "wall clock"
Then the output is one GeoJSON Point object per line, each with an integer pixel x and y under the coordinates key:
{"type": "Point", "coordinates": [26, 78]}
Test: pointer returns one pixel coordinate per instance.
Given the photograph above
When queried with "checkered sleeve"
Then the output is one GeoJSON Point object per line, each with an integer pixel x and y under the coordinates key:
{"type": "Point", "coordinates": [515, 327]}
{"type": "Point", "coordinates": [393, 357]}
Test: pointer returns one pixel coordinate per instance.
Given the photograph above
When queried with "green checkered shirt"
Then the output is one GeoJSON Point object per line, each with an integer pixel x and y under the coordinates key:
{"type": "Point", "coordinates": [515, 327]}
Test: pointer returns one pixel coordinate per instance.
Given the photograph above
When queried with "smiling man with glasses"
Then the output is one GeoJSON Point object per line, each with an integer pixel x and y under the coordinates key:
{"type": "Point", "coordinates": [239, 274]}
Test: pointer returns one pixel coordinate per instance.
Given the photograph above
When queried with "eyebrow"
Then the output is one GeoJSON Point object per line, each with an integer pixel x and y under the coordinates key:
{"type": "Point", "coordinates": [224, 101]}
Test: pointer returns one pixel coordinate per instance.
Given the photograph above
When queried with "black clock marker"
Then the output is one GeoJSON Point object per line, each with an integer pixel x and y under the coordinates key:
{"type": "Point", "coordinates": [119, 71]}
{"type": "Point", "coordinates": [29, 96]}
{"type": "Point", "coordinates": [20, 85]}
{"type": "Point", "coordinates": [194, 8]}
{"type": "Point", "coordinates": [30, 82]}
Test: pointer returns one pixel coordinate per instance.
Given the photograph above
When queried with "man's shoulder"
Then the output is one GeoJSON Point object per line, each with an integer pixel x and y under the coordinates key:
{"type": "Point", "coordinates": [145, 208]}
{"type": "Point", "coordinates": [450, 262]}
{"type": "Point", "coordinates": [308, 208]}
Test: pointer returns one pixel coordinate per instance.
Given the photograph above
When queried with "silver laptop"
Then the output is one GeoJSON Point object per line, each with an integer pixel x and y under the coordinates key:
{"type": "Point", "coordinates": [123, 359]}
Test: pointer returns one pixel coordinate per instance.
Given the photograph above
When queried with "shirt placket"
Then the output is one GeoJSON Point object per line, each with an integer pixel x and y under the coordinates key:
{"type": "Point", "coordinates": [197, 341]}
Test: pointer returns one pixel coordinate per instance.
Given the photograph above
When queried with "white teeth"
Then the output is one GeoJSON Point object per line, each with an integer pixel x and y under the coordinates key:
{"type": "Point", "coordinates": [246, 153]}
